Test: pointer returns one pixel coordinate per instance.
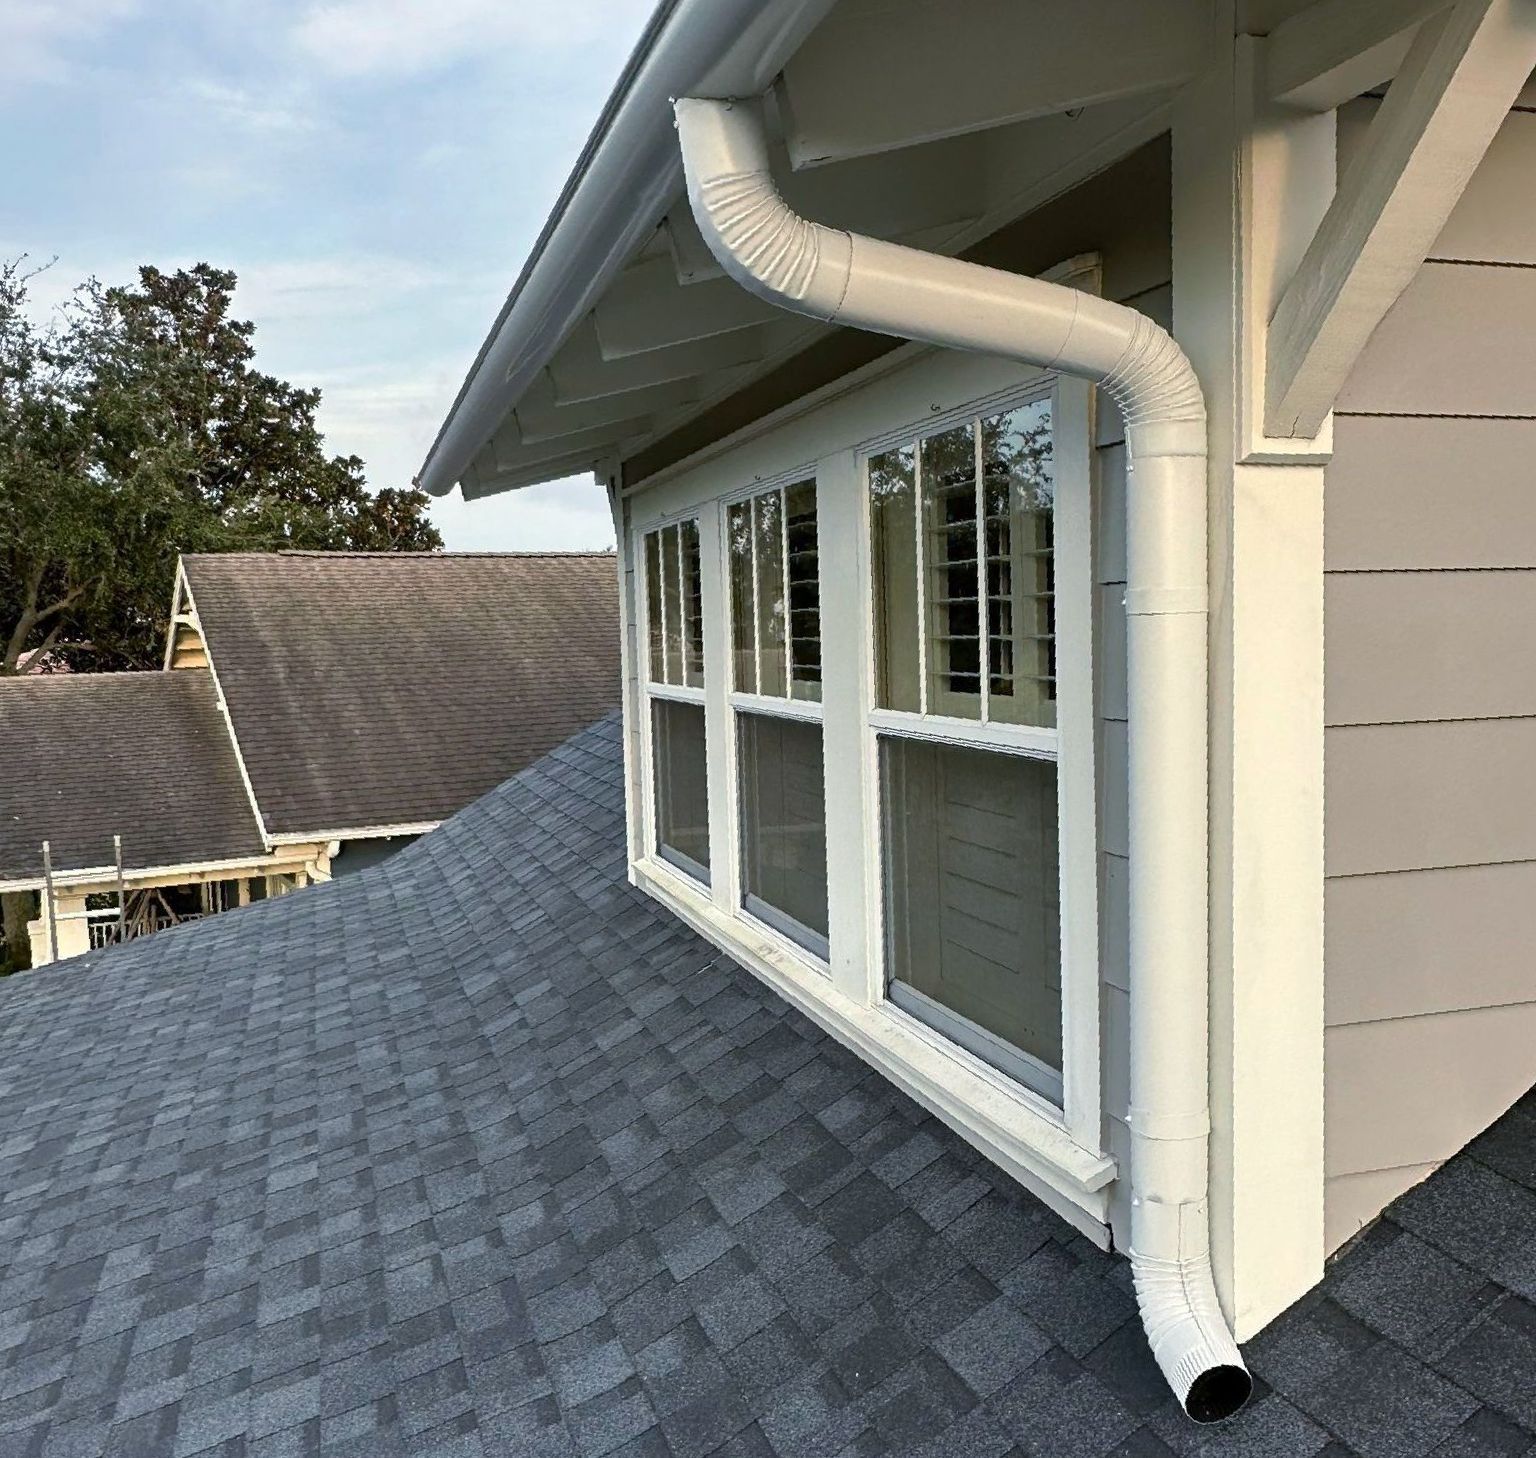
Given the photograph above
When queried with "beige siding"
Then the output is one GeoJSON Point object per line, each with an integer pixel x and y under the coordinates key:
{"type": "Point", "coordinates": [1430, 494]}
{"type": "Point", "coordinates": [1431, 704]}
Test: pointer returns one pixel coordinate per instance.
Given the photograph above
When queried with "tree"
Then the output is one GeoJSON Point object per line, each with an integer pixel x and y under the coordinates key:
{"type": "Point", "coordinates": [136, 426]}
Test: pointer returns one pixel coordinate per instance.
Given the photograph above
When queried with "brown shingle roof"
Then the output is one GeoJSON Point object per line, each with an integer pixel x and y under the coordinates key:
{"type": "Point", "coordinates": [374, 689]}
{"type": "Point", "coordinates": [143, 755]}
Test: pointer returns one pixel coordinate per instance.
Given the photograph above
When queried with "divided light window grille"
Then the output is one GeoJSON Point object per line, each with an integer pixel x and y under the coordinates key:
{"type": "Point", "coordinates": [775, 593]}
{"type": "Point", "coordinates": [674, 599]}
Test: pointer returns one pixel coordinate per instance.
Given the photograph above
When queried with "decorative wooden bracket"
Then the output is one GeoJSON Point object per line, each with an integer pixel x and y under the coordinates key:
{"type": "Point", "coordinates": [1463, 72]}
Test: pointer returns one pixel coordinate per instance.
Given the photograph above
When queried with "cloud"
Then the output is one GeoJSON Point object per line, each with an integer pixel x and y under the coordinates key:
{"type": "Point", "coordinates": [408, 37]}
{"type": "Point", "coordinates": [307, 289]}
{"type": "Point", "coordinates": [250, 110]}
{"type": "Point", "coordinates": [36, 36]}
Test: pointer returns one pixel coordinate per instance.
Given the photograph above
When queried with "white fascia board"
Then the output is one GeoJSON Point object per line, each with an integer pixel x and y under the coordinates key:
{"type": "Point", "coordinates": [627, 176]}
{"type": "Point", "coordinates": [364, 832]}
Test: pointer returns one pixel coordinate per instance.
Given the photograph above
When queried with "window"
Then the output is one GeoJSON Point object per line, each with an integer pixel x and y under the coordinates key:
{"type": "Point", "coordinates": [776, 694]}
{"type": "Point", "coordinates": [675, 633]}
{"type": "Point", "coordinates": [962, 535]}
{"type": "Point", "coordinates": [961, 529]}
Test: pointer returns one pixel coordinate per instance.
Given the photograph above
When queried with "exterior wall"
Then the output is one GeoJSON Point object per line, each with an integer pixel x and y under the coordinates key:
{"type": "Point", "coordinates": [359, 855]}
{"type": "Point", "coordinates": [1431, 703]}
{"type": "Point", "coordinates": [1129, 227]}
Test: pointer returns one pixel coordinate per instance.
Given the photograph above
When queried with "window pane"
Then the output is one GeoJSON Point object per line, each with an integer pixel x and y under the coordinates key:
{"type": "Point", "coordinates": [954, 618]}
{"type": "Point", "coordinates": [970, 856]}
{"type": "Point", "coordinates": [693, 607]}
{"type": "Point", "coordinates": [804, 591]}
{"type": "Point", "coordinates": [893, 540]}
{"type": "Point", "coordinates": [682, 785]}
{"type": "Point", "coordinates": [671, 608]}
{"type": "Point", "coordinates": [653, 604]}
{"type": "Point", "coordinates": [1020, 491]}
{"type": "Point", "coordinates": [783, 826]}
{"type": "Point", "coordinates": [768, 525]}
{"type": "Point", "coordinates": [738, 529]}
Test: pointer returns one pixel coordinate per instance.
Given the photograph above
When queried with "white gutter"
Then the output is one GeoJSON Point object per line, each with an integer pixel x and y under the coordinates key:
{"type": "Point", "coordinates": [625, 179]}
{"type": "Point", "coordinates": [848, 279]}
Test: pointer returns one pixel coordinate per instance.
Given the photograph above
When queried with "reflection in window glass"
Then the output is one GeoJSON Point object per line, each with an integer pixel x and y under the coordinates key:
{"type": "Point", "coordinates": [674, 605]}
{"type": "Point", "coordinates": [783, 826]}
{"type": "Point", "coordinates": [948, 473]}
{"type": "Point", "coordinates": [671, 607]}
{"type": "Point", "coordinates": [803, 560]}
{"type": "Point", "coordinates": [738, 531]}
{"type": "Point", "coordinates": [1001, 537]}
{"type": "Point", "coordinates": [776, 593]}
{"type": "Point", "coordinates": [653, 605]}
{"type": "Point", "coordinates": [1019, 487]}
{"type": "Point", "coordinates": [682, 785]}
{"type": "Point", "coordinates": [768, 526]}
{"type": "Point", "coordinates": [893, 539]}
{"type": "Point", "coordinates": [971, 894]}
{"type": "Point", "coordinates": [693, 605]}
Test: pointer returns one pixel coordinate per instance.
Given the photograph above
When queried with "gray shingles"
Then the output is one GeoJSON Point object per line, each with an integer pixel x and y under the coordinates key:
{"type": "Point", "coordinates": [142, 755]}
{"type": "Point", "coordinates": [479, 1152]}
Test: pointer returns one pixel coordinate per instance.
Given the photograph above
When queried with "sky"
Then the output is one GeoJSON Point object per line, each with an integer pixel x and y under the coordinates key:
{"type": "Point", "coordinates": [375, 171]}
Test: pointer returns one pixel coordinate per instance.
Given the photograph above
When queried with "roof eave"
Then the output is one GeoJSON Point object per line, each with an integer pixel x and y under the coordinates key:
{"type": "Point", "coordinates": [625, 178]}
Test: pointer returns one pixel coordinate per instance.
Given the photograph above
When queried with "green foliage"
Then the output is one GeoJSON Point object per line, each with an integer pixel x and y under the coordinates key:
{"type": "Point", "coordinates": [136, 426]}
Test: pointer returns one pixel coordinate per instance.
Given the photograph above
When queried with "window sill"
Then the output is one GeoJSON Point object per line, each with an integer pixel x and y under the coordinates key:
{"type": "Point", "coordinates": [1012, 1126]}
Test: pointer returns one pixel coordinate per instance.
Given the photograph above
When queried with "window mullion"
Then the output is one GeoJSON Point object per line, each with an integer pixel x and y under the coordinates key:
{"type": "Point", "coordinates": [983, 598]}
{"type": "Point", "coordinates": [918, 513]}
{"type": "Point", "coordinates": [789, 636]}
{"type": "Point", "coordinates": [682, 610]}
{"type": "Point", "coordinates": [757, 610]}
{"type": "Point", "coordinates": [661, 571]}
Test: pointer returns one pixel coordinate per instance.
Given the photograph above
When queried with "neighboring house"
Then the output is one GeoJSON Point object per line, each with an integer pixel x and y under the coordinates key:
{"type": "Point", "coordinates": [319, 710]}
{"type": "Point", "coordinates": [975, 688]}
{"type": "Point", "coordinates": [486, 1155]}
{"type": "Point", "coordinates": [132, 782]}
{"type": "Point", "coordinates": [373, 694]}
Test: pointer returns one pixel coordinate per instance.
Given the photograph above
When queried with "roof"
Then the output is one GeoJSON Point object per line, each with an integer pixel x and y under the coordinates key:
{"type": "Point", "coordinates": [143, 755]}
{"type": "Point", "coordinates": [390, 689]}
{"type": "Point", "coordinates": [481, 1151]}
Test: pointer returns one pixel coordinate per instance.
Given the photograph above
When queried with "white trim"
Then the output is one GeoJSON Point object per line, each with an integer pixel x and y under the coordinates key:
{"type": "Point", "coordinates": [944, 729]}
{"type": "Point", "coordinates": [364, 832]}
{"type": "Point", "coordinates": [678, 693]}
{"type": "Point", "coordinates": [1266, 724]}
{"type": "Point", "coordinates": [776, 708]}
{"type": "Point", "coordinates": [1011, 1125]}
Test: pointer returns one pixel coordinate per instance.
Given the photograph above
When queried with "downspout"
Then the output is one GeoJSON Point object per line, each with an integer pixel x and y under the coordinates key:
{"type": "Point", "coordinates": [865, 283]}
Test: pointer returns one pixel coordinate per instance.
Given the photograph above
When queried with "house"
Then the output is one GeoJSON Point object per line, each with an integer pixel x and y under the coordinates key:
{"type": "Point", "coordinates": [318, 710]}
{"type": "Point", "coordinates": [132, 781]}
{"type": "Point", "coordinates": [971, 384]}
{"type": "Point", "coordinates": [485, 1152]}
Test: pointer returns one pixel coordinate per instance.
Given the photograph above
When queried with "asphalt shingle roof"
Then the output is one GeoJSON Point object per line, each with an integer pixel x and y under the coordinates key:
{"type": "Point", "coordinates": [392, 688]}
{"type": "Point", "coordinates": [481, 1152]}
{"type": "Point", "coordinates": [142, 755]}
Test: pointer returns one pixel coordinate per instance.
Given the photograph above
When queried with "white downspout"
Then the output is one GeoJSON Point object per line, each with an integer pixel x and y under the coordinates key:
{"type": "Point", "coordinates": [869, 284]}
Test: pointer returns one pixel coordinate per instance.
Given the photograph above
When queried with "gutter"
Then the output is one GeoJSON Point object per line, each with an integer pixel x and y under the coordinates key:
{"type": "Point", "coordinates": [851, 280]}
{"type": "Point", "coordinates": [625, 179]}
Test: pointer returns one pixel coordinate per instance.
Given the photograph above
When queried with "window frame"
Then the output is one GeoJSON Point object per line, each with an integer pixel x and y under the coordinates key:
{"type": "Point", "coordinates": [1061, 1152]}
{"type": "Point", "coordinates": [799, 941]}
{"type": "Point", "coordinates": [1071, 1095]}
{"type": "Point", "coordinates": [691, 872]}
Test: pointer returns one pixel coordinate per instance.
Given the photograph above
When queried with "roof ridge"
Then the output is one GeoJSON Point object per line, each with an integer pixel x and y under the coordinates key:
{"type": "Point", "coordinates": [399, 556]}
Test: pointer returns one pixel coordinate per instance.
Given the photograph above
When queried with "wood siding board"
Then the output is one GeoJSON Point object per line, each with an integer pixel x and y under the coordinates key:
{"type": "Point", "coordinates": [1115, 919]}
{"type": "Point", "coordinates": [1427, 493]}
{"type": "Point", "coordinates": [1110, 527]}
{"type": "Point", "coordinates": [1429, 941]}
{"type": "Point", "coordinates": [1351, 1202]}
{"type": "Point", "coordinates": [1414, 646]}
{"type": "Point", "coordinates": [1115, 826]}
{"type": "Point", "coordinates": [1460, 341]}
{"type": "Point", "coordinates": [1112, 686]}
{"type": "Point", "coordinates": [1415, 796]}
{"type": "Point", "coordinates": [1409, 1091]}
